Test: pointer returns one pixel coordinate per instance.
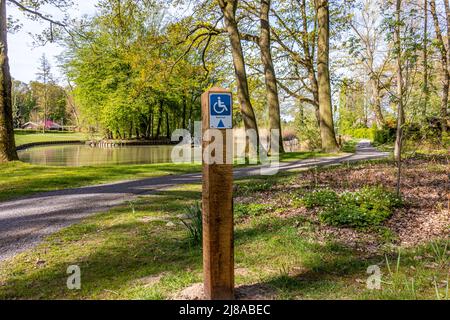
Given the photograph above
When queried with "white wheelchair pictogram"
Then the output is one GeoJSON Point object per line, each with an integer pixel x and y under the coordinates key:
{"type": "Point", "coordinates": [220, 107]}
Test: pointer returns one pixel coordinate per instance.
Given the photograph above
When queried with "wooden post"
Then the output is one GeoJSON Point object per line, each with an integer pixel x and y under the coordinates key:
{"type": "Point", "coordinates": [217, 204]}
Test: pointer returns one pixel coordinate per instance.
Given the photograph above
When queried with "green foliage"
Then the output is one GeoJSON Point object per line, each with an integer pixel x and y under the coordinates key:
{"type": "Point", "coordinates": [308, 130]}
{"type": "Point", "coordinates": [365, 208]}
{"type": "Point", "coordinates": [194, 223]}
{"type": "Point", "coordinates": [360, 133]}
{"type": "Point", "coordinates": [384, 135]}
{"type": "Point", "coordinates": [320, 198]}
{"type": "Point", "coordinates": [249, 210]}
{"type": "Point", "coordinates": [133, 77]}
{"type": "Point", "coordinates": [350, 146]}
{"type": "Point", "coordinates": [254, 186]}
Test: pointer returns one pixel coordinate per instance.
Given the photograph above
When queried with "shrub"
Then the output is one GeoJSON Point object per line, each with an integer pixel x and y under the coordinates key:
{"type": "Point", "coordinates": [320, 198]}
{"type": "Point", "coordinates": [254, 186]}
{"type": "Point", "coordinates": [384, 135]}
{"type": "Point", "coordinates": [368, 207]}
{"type": "Point", "coordinates": [249, 210]}
{"type": "Point", "coordinates": [194, 223]}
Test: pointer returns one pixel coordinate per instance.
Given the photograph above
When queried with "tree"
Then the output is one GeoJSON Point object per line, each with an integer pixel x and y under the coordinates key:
{"type": "Point", "coordinates": [228, 8]}
{"type": "Point", "coordinates": [299, 44]}
{"type": "Point", "coordinates": [327, 131]}
{"type": "Point", "coordinates": [131, 76]}
{"type": "Point", "coordinates": [23, 102]}
{"type": "Point", "coordinates": [367, 47]}
{"type": "Point", "coordinates": [7, 144]}
{"type": "Point", "coordinates": [264, 43]}
{"type": "Point", "coordinates": [400, 93]}
{"type": "Point", "coordinates": [445, 59]}
{"type": "Point", "coordinates": [44, 74]}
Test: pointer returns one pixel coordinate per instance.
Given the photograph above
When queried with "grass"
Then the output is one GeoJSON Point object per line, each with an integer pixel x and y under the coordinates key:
{"type": "Point", "coordinates": [296, 156]}
{"type": "Point", "coordinates": [131, 252]}
{"type": "Point", "coordinates": [27, 137]}
{"type": "Point", "coordinates": [20, 179]}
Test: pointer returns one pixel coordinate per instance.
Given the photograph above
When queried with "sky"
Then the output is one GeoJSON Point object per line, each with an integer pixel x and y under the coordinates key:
{"type": "Point", "coordinates": [23, 56]}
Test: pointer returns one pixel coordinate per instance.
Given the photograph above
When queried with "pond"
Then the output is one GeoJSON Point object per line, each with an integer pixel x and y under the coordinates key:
{"type": "Point", "coordinates": [83, 155]}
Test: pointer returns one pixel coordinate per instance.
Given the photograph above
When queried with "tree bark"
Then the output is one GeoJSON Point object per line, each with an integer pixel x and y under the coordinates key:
{"type": "Point", "coordinates": [158, 130]}
{"type": "Point", "coordinates": [426, 89]}
{"type": "Point", "coordinates": [269, 74]}
{"type": "Point", "coordinates": [228, 8]}
{"type": "Point", "coordinates": [167, 126]}
{"type": "Point", "coordinates": [447, 11]}
{"type": "Point", "coordinates": [445, 60]}
{"type": "Point", "coordinates": [327, 131]}
{"type": "Point", "coordinates": [7, 144]}
{"type": "Point", "coordinates": [400, 111]}
{"type": "Point", "coordinates": [376, 102]}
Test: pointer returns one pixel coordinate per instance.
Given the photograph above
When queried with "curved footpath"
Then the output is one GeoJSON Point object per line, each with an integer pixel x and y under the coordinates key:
{"type": "Point", "coordinates": [26, 221]}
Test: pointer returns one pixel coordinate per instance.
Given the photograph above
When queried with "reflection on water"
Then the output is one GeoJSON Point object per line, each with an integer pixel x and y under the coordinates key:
{"type": "Point", "coordinates": [82, 155]}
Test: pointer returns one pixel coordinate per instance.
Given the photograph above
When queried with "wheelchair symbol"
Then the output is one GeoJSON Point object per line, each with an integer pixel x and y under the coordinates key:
{"type": "Point", "coordinates": [220, 107]}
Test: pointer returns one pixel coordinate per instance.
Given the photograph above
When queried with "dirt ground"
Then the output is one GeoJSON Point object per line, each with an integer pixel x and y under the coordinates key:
{"type": "Point", "coordinates": [425, 193]}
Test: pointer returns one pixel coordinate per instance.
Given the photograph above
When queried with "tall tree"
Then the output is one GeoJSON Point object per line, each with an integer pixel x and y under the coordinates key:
{"type": "Point", "coordinates": [299, 43]}
{"type": "Point", "coordinates": [7, 144]}
{"type": "Point", "coordinates": [400, 110]}
{"type": "Point", "coordinates": [229, 8]}
{"type": "Point", "coordinates": [367, 47]}
{"type": "Point", "coordinates": [426, 88]}
{"type": "Point", "coordinates": [269, 73]}
{"type": "Point", "coordinates": [445, 60]}
{"type": "Point", "coordinates": [264, 42]}
{"type": "Point", "coordinates": [44, 75]}
{"type": "Point", "coordinates": [327, 131]}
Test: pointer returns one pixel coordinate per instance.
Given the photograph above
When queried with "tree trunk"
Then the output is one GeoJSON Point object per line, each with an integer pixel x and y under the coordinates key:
{"type": "Point", "coordinates": [229, 8]}
{"type": "Point", "coordinates": [167, 126]}
{"type": "Point", "coordinates": [376, 101]}
{"type": "Point", "coordinates": [400, 111]}
{"type": "Point", "coordinates": [426, 89]}
{"type": "Point", "coordinates": [444, 63]}
{"type": "Point", "coordinates": [269, 75]}
{"type": "Point", "coordinates": [7, 144]}
{"type": "Point", "coordinates": [445, 113]}
{"type": "Point", "coordinates": [309, 57]}
{"type": "Point", "coordinates": [184, 111]}
{"type": "Point", "coordinates": [158, 130]}
{"type": "Point", "coordinates": [327, 132]}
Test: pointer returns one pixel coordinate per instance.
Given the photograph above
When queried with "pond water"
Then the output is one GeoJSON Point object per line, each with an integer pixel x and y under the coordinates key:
{"type": "Point", "coordinates": [82, 155]}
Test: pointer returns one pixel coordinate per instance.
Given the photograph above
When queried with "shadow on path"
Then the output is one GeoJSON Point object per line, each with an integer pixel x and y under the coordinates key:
{"type": "Point", "coordinates": [25, 222]}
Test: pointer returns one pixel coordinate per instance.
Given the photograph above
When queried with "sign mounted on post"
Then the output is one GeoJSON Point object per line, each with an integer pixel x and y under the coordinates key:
{"type": "Point", "coordinates": [220, 111]}
{"type": "Point", "coordinates": [217, 195]}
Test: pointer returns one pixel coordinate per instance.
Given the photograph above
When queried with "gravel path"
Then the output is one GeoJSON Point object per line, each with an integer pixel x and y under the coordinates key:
{"type": "Point", "coordinates": [26, 221]}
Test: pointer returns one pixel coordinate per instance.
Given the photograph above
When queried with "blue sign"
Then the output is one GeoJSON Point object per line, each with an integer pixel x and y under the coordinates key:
{"type": "Point", "coordinates": [221, 111]}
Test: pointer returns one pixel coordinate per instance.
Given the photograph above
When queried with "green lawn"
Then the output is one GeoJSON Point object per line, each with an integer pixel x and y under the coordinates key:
{"type": "Point", "coordinates": [142, 251]}
{"type": "Point", "coordinates": [19, 179]}
{"type": "Point", "coordinates": [26, 137]}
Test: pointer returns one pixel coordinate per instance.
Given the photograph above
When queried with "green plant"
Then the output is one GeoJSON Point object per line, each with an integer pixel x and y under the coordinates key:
{"type": "Point", "coordinates": [349, 146]}
{"type": "Point", "coordinates": [320, 198]}
{"type": "Point", "coordinates": [132, 206]}
{"type": "Point", "coordinates": [365, 208]}
{"type": "Point", "coordinates": [193, 222]}
{"type": "Point", "coordinates": [368, 207]}
{"type": "Point", "coordinates": [249, 210]}
{"type": "Point", "coordinates": [440, 251]}
{"type": "Point", "coordinates": [252, 187]}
